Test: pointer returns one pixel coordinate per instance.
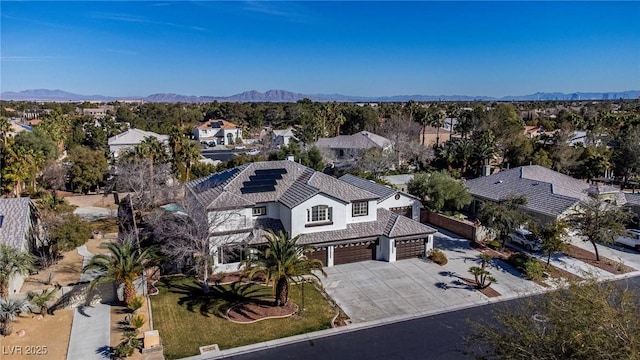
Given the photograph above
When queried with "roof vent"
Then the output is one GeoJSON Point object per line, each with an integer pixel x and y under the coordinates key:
{"type": "Point", "coordinates": [535, 184]}
{"type": "Point", "coordinates": [498, 182]}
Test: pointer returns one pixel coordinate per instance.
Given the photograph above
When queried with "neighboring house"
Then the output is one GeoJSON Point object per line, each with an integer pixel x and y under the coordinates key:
{"type": "Point", "coordinates": [399, 181]}
{"type": "Point", "coordinates": [222, 132]}
{"type": "Point", "coordinates": [353, 146]}
{"type": "Point", "coordinates": [390, 198]}
{"type": "Point", "coordinates": [430, 134]}
{"type": "Point", "coordinates": [550, 195]}
{"type": "Point", "coordinates": [130, 138]}
{"type": "Point", "coordinates": [341, 222]}
{"type": "Point", "coordinates": [282, 137]}
{"type": "Point", "coordinates": [99, 112]}
{"type": "Point", "coordinates": [18, 224]}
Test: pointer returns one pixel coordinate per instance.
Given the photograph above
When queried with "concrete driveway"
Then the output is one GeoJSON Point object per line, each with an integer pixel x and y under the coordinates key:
{"type": "Point", "coordinates": [377, 290]}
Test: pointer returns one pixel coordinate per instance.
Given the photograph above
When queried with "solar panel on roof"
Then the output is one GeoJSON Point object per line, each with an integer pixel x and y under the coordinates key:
{"type": "Point", "coordinates": [271, 171]}
{"type": "Point", "coordinates": [257, 189]}
{"type": "Point", "coordinates": [216, 179]}
{"type": "Point", "coordinates": [260, 182]}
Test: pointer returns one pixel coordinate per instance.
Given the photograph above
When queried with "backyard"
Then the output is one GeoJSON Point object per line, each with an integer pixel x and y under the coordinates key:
{"type": "Point", "coordinates": [187, 318]}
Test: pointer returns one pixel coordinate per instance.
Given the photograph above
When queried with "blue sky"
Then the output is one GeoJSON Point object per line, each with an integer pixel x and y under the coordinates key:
{"type": "Point", "coordinates": [351, 48]}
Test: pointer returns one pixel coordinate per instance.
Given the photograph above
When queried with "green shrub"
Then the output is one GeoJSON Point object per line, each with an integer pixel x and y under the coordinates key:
{"type": "Point", "coordinates": [533, 270]}
{"type": "Point", "coordinates": [135, 304]}
{"type": "Point", "coordinates": [437, 257]}
{"type": "Point", "coordinates": [494, 244]}
{"type": "Point", "coordinates": [137, 321]}
{"type": "Point", "coordinates": [518, 261]}
{"type": "Point", "coordinates": [70, 233]}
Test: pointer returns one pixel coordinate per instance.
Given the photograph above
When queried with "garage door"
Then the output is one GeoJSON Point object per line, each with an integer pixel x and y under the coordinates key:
{"type": "Point", "coordinates": [349, 253]}
{"type": "Point", "coordinates": [319, 254]}
{"type": "Point", "coordinates": [404, 211]}
{"type": "Point", "coordinates": [407, 249]}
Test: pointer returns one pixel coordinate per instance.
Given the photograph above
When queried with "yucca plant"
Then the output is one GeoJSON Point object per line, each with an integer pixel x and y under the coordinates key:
{"type": "Point", "coordinates": [135, 304]}
{"type": "Point", "coordinates": [137, 321]}
{"type": "Point", "coordinates": [9, 310]}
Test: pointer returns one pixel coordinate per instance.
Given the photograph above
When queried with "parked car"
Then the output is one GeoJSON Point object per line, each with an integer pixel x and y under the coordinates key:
{"type": "Point", "coordinates": [240, 147]}
{"type": "Point", "coordinates": [525, 239]}
{"type": "Point", "coordinates": [253, 152]}
{"type": "Point", "coordinates": [631, 239]}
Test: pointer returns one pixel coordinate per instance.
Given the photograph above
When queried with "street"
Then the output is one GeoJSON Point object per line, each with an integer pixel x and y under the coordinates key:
{"type": "Point", "coordinates": [436, 337]}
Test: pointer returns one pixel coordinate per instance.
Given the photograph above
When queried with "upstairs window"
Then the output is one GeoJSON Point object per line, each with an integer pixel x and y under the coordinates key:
{"type": "Point", "coordinates": [319, 213]}
{"type": "Point", "coordinates": [259, 211]}
{"type": "Point", "coordinates": [360, 208]}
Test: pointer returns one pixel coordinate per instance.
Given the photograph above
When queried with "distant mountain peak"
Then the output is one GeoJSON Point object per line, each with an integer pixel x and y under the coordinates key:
{"type": "Point", "coordinates": [275, 95]}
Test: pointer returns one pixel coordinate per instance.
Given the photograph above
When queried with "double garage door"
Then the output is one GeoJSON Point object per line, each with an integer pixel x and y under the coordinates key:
{"type": "Point", "coordinates": [355, 252]}
{"type": "Point", "coordinates": [407, 249]}
{"type": "Point", "coordinates": [318, 254]}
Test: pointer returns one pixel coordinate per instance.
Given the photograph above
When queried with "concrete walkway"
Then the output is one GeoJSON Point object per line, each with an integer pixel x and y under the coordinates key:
{"type": "Point", "coordinates": [90, 331]}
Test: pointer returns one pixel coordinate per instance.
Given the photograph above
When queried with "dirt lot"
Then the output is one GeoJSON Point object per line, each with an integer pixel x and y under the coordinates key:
{"type": "Point", "coordinates": [49, 336]}
{"type": "Point", "coordinates": [92, 200]}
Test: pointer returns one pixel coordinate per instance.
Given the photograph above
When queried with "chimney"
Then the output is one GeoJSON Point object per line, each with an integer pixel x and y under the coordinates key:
{"type": "Point", "coordinates": [486, 170]}
{"type": "Point", "coordinates": [290, 157]}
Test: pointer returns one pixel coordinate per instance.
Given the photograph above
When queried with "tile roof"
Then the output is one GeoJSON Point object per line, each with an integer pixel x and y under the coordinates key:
{"type": "Point", "coordinates": [384, 192]}
{"type": "Point", "coordinates": [296, 184]}
{"type": "Point", "coordinates": [14, 225]}
{"type": "Point", "coordinates": [362, 140]}
{"type": "Point", "coordinates": [135, 136]}
{"type": "Point", "coordinates": [388, 224]}
{"type": "Point", "coordinates": [547, 191]}
{"type": "Point", "coordinates": [217, 124]}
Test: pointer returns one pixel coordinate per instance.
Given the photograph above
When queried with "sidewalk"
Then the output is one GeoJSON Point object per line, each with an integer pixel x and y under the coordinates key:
{"type": "Point", "coordinates": [90, 330]}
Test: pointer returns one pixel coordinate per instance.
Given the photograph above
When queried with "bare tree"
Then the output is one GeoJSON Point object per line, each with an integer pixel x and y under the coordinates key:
{"type": "Point", "coordinates": [54, 176]}
{"type": "Point", "coordinates": [132, 175]}
{"type": "Point", "coordinates": [406, 144]}
{"type": "Point", "coordinates": [190, 238]}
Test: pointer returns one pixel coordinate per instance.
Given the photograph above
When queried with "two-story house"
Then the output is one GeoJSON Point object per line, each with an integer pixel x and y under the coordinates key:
{"type": "Point", "coordinates": [220, 132]}
{"type": "Point", "coordinates": [341, 222]}
{"type": "Point", "coordinates": [18, 229]}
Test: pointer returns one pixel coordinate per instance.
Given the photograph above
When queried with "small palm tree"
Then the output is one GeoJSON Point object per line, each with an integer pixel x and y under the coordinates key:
{"type": "Point", "coordinates": [9, 310]}
{"type": "Point", "coordinates": [280, 263]}
{"type": "Point", "coordinates": [41, 300]}
{"type": "Point", "coordinates": [482, 276]}
{"type": "Point", "coordinates": [123, 265]}
{"type": "Point", "coordinates": [13, 262]}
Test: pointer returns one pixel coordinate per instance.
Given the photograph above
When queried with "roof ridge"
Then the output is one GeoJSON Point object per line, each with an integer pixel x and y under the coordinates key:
{"type": "Point", "coordinates": [391, 224]}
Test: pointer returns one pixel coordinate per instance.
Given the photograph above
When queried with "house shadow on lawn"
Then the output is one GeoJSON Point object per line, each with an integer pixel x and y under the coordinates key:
{"type": "Point", "coordinates": [219, 299]}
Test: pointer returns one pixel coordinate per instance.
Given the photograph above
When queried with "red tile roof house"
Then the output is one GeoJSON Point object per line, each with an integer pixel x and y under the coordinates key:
{"type": "Point", "coordinates": [341, 222]}
{"type": "Point", "coordinates": [222, 132]}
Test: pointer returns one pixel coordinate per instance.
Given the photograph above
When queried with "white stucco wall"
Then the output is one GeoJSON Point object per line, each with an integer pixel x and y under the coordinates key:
{"type": "Point", "coordinates": [403, 201]}
{"type": "Point", "coordinates": [227, 220]}
{"type": "Point", "coordinates": [285, 218]}
{"type": "Point", "coordinates": [371, 216]}
{"type": "Point", "coordinates": [299, 215]}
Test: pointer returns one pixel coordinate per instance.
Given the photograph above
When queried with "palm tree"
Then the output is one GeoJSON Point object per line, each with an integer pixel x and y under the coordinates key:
{"type": "Point", "coordinates": [280, 263]}
{"type": "Point", "coordinates": [5, 129]}
{"type": "Point", "coordinates": [13, 262]}
{"type": "Point", "coordinates": [9, 310]}
{"type": "Point", "coordinates": [41, 299]}
{"type": "Point", "coordinates": [448, 155]}
{"type": "Point", "coordinates": [190, 155]}
{"type": "Point", "coordinates": [435, 118]}
{"type": "Point", "coordinates": [123, 265]}
{"type": "Point", "coordinates": [152, 149]}
{"type": "Point", "coordinates": [482, 276]}
{"type": "Point", "coordinates": [464, 150]}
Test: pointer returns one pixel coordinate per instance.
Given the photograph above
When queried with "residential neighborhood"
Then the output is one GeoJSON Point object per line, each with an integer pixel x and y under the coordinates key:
{"type": "Point", "coordinates": [319, 180]}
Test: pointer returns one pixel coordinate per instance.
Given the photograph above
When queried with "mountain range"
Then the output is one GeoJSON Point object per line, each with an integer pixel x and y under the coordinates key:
{"type": "Point", "coordinates": [288, 96]}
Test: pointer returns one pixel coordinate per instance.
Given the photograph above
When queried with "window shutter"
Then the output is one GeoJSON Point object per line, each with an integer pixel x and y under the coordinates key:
{"type": "Point", "coordinates": [330, 214]}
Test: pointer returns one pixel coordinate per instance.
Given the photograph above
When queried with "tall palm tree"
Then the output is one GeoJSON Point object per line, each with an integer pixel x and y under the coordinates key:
{"type": "Point", "coordinates": [123, 265]}
{"type": "Point", "coordinates": [153, 150]}
{"type": "Point", "coordinates": [436, 119]}
{"type": "Point", "coordinates": [464, 150]}
{"type": "Point", "coordinates": [13, 262]}
{"type": "Point", "coordinates": [5, 129]}
{"type": "Point", "coordinates": [280, 263]}
{"type": "Point", "coordinates": [190, 155]}
{"type": "Point", "coordinates": [9, 310]}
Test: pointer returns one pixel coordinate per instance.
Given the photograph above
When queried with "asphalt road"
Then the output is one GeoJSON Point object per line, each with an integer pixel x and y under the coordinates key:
{"type": "Point", "coordinates": [437, 337]}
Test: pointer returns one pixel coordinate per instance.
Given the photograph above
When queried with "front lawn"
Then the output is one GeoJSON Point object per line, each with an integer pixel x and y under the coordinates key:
{"type": "Point", "coordinates": [187, 318]}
